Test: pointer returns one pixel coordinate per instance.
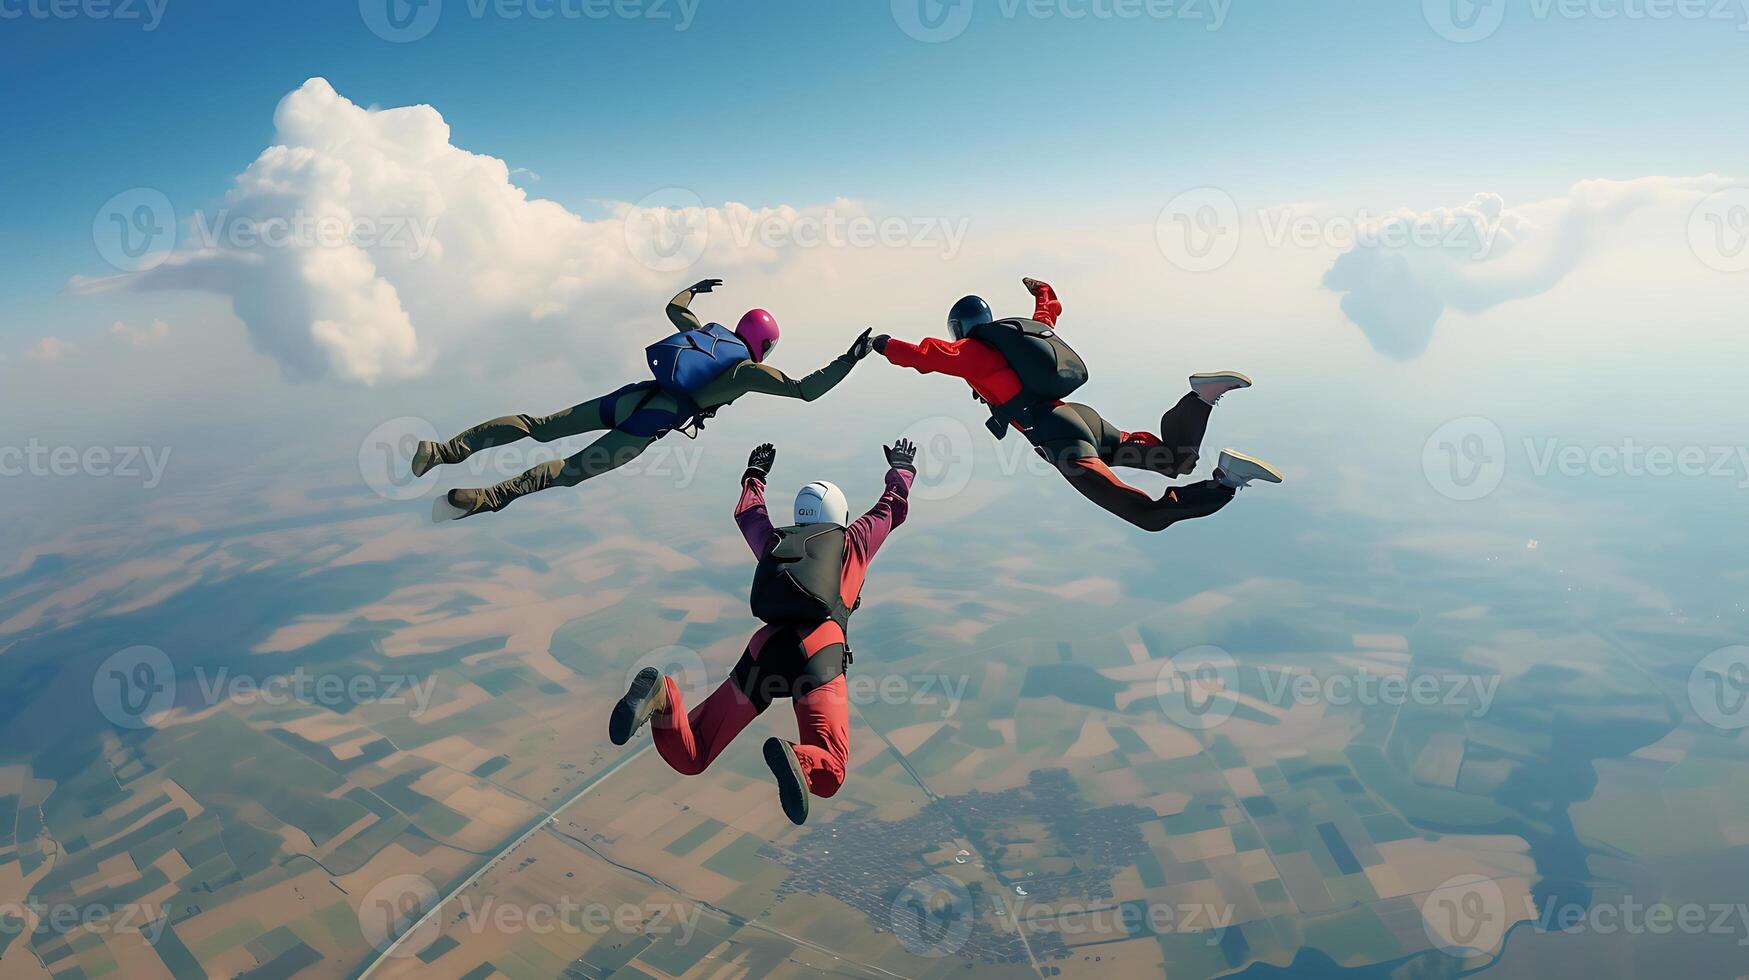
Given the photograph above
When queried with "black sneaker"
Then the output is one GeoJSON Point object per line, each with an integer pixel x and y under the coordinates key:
{"type": "Point", "coordinates": [792, 788]}
{"type": "Point", "coordinates": [643, 698]}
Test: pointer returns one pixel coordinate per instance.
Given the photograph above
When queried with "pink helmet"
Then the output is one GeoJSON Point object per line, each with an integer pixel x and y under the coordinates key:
{"type": "Point", "coordinates": [758, 330]}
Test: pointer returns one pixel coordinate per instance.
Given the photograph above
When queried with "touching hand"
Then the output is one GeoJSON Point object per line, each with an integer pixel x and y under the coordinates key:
{"type": "Point", "coordinates": [861, 346]}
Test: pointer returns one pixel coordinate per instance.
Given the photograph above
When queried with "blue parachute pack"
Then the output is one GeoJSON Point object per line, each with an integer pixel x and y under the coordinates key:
{"type": "Point", "coordinates": [683, 365]}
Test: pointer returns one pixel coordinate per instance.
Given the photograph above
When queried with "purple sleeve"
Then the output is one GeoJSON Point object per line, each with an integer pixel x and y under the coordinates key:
{"type": "Point", "coordinates": [751, 516]}
{"type": "Point", "coordinates": [871, 529]}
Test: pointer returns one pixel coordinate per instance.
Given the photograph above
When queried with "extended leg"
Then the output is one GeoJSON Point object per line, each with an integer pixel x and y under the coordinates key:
{"type": "Point", "coordinates": [1045, 305]}
{"type": "Point", "coordinates": [590, 416]}
{"type": "Point", "coordinates": [611, 451]}
{"type": "Point", "coordinates": [823, 727]}
{"type": "Point", "coordinates": [691, 742]}
{"type": "Point", "coordinates": [1095, 481]}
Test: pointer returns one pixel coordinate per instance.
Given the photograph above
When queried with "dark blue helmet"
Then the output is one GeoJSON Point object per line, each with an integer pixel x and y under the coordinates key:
{"type": "Point", "coordinates": [969, 312]}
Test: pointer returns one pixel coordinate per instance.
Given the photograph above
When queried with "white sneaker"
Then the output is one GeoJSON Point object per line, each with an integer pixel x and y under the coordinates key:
{"type": "Point", "coordinates": [1213, 384]}
{"type": "Point", "coordinates": [1237, 470]}
{"type": "Point", "coordinates": [442, 511]}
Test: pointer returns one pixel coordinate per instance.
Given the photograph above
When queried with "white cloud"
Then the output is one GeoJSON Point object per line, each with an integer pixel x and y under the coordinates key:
{"type": "Point", "coordinates": [364, 246]}
{"type": "Point", "coordinates": [1477, 256]}
{"type": "Point", "coordinates": [50, 349]}
{"type": "Point", "coordinates": [146, 336]}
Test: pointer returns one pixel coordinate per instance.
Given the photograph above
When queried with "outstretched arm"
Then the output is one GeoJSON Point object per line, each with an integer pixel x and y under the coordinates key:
{"type": "Point", "coordinates": [751, 515]}
{"type": "Point", "coordinates": [965, 359]}
{"type": "Point", "coordinates": [870, 530]}
{"type": "Point", "coordinates": [680, 307]}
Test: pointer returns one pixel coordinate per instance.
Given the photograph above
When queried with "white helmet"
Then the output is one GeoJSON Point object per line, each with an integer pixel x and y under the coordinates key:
{"type": "Point", "coordinates": [822, 503]}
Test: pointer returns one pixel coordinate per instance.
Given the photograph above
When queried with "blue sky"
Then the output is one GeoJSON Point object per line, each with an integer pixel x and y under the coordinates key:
{"type": "Point", "coordinates": [802, 101]}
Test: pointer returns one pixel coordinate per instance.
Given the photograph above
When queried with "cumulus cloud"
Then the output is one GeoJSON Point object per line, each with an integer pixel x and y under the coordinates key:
{"type": "Point", "coordinates": [364, 246]}
{"type": "Point", "coordinates": [1401, 277]}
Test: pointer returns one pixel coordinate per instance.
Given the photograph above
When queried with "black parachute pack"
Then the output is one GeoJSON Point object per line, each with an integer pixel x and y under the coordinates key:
{"type": "Point", "coordinates": [799, 580]}
{"type": "Point", "coordinates": [1049, 369]}
{"type": "Point", "coordinates": [798, 584]}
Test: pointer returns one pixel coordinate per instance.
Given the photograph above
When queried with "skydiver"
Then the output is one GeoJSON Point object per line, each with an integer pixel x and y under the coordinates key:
{"type": "Point", "coordinates": [1022, 370]}
{"type": "Point", "coordinates": [699, 370]}
{"type": "Point", "coordinates": [808, 581]}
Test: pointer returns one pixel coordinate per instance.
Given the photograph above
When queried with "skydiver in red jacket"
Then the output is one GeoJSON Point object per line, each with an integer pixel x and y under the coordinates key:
{"type": "Point", "coordinates": [1078, 440]}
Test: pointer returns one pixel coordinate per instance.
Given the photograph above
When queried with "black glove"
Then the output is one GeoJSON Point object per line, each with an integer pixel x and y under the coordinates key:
{"type": "Point", "coordinates": [705, 285]}
{"type": "Point", "coordinates": [879, 343]}
{"type": "Point", "coordinates": [902, 455]}
{"type": "Point", "coordinates": [759, 462]}
{"type": "Point", "coordinates": [861, 346]}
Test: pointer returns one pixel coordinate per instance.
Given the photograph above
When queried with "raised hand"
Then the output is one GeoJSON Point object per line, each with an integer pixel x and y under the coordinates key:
{"type": "Point", "coordinates": [706, 285]}
{"type": "Point", "coordinates": [760, 461]}
{"type": "Point", "coordinates": [902, 455]}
